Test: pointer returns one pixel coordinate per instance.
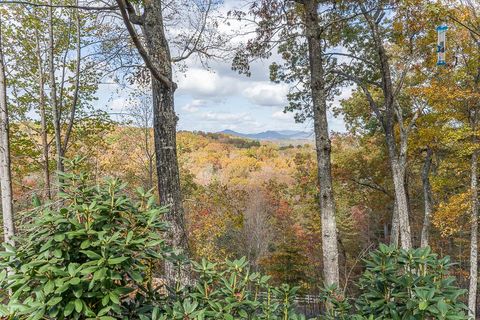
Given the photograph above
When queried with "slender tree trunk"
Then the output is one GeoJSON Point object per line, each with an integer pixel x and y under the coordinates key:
{"type": "Point", "coordinates": [76, 89]}
{"type": "Point", "coordinates": [395, 234]}
{"type": "Point", "coordinates": [472, 289]}
{"type": "Point", "coordinates": [398, 170]}
{"type": "Point", "coordinates": [427, 197]}
{"type": "Point", "coordinates": [164, 124]}
{"type": "Point", "coordinates": [323, 145]}
{"type": "Point", "coordinates": [148, 152]}
{"type": "Point", "coordinates": [387, 117]}
{"type": "Point", "coordinates": [5, 171]}
{"type": "Point", "coordinates": [43, 119]}
{"type": "Point", "coordinates": [53, 94]}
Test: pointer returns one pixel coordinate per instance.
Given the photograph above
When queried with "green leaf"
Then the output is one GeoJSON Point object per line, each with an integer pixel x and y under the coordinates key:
{"type": "Point", "coordinates": [69, 308]}
{"type": "Point", "coordinates": [117, 260]}
{"type": "Point", "coordinates": [114, 297]}
{"type": "Point", "coordinates": [90, 254]}
{"type": "Point", "coordinates": [53, 301]}
{"type": "Point", "coordinates": [57, 253]}
{"type": "Point", "coordinates": [85, 244]}
{"type": "Point", "coordinates": [78, 305]}
{"type": "Point", "coordinates": [423, 305]}
{"type": "Point", "coordinates": [49, 287]}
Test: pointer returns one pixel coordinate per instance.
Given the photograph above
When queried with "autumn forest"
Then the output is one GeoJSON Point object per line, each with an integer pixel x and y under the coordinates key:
{"type": "Point", "coordinates": [125, 214]}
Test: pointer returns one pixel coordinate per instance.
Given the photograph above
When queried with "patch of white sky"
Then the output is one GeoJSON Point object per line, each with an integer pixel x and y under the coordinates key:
{"type": "Point", "coordinates": [219, 98]}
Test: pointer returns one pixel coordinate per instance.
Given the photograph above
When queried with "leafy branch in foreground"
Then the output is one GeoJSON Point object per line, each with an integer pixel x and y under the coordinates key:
{"type": "Point", "coordinates": [84, 259]}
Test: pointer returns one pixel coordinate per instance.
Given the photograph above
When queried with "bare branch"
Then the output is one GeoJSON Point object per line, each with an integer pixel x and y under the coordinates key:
{"type": "Point", "coordinates": [197, 38]}
{"type": "Point", "coordinates": [132, 14]}
{"type": "Point", "coordinates": [141, 50]}
{"type": "Point", "coordinates": [66, 6]}
{"type": "Point", "coordinates": [361, 84]}
{"type": "Point", "coordinates": [77, 84]}
{"type": "Point", "coordinates": [401, 80]}
{"type": "Point", "coordinates": [349, 56]}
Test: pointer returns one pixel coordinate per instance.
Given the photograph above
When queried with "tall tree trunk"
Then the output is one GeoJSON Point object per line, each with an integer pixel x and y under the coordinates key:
{"type": "Point", "coordinates": [472, 289]}
{"type": "Point", "coordinates": [5, 172]}
{"type": "Point", "coordinates": [43, 119]}
{"type": "Point", "coordinates": [398, 170]}
{"type": "Point", "coordinates": [323, 145]}
{"type": "Point", "coordinates": [76, 89]}
{"type": "Point", "coordinates": [397, 158]}
{"type": "Point", "coordinates": [395, 234]}
{"type": "Point", "coordinates": [164, 124]}
{"type": "Point", "coordinates": [427, 197]}
{"type": "Point", "coordinates": [398, 166]}
{"type": "Point", "coordinates": [53, 94]}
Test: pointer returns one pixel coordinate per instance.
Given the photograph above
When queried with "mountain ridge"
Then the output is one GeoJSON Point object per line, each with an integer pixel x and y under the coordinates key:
{"type": "Point", "coordinates": [272, 135]}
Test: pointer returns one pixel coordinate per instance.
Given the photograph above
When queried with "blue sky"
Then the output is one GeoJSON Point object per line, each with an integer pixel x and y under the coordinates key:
{"type": "Point", "coordinates": [219, 98]}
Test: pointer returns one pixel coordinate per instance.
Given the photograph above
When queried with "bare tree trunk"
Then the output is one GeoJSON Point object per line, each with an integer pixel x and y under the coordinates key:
{"type": "Point", "coordinates": [427, 197]}
{"type": "Point", "coordinates": [76, 89]}
{"type": "Point", "coordinates": [395, 234]}
{"type": "Point", "coordinates": [398, 171]}
{"type": "Point", "coordinates": [397, 158]}
{"type": "Point", "coordinates": [472, 289]}
{"type": "Point", "coordinates": [43, 120]}
{"type": "Point", "coordinates": [323, 145]}
{"type": "Point", "coordinates": [5, 171]}
{"type": "Point", "coordinates": [164, 124]}
{"type": "Point", "coordinates": [53, 94]}
{"type": "Point", "coordinates": [148, 151]}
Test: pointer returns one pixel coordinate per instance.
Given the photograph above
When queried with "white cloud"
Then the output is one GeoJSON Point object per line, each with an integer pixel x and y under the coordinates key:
{"type": "Point", "coordinates": [266, 94]}
{"type": "Point", "coordinates": [280, 115]}
{"type": "Point", "coordinates": [194, 105]}
{"type": "Point", "coordinates": [117, 104]}
{"type": "Point", "coordinates": [226, 117]}
{"type": "Point", "coordinates": [203, 83]}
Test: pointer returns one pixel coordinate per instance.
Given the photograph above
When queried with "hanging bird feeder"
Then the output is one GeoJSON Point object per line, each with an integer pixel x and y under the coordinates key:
{"type": "Point", "coordinates": [442, 36]}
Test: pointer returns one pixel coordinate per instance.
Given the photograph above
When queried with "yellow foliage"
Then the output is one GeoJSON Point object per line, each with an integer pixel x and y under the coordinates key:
{"type": "Point", "coordinates": [449, 217]}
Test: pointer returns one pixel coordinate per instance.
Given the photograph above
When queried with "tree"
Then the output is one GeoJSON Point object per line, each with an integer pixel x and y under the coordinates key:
{"type": "Point", "coordinates": [66, 114]}
{"type": "Point", "coordinates": [140, 111]}
{"type": "Point", "coordinates": [299, 30]}
{"type": "Point", "coordinates": [154, 48]}
{"type": "Point", "coordinates": [5, 170]}
{"type": "Point", "coordinates": [56, 102]}
{"type": "Point", "coordinates": [314, 34]}
{"type": "Point", "coordinates": [461, 104]}
{"type": "Point", "coordinates": [380, 74]}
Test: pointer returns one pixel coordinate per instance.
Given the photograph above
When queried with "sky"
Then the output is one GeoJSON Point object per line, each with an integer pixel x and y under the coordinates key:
{"type": "Point", "coordinates": [219, 98]}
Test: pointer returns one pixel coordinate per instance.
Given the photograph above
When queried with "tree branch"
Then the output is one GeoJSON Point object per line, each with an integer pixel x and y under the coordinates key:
{"type": "Point", "coordinates": [350, 56]}
{"type": "Point", "coordinates": [372, 185]}
{"type": "Point", "coordinates": [66, 6]}
{"type": "Point", "coordinates": [132, 14]}
{"type": "Point", "coordinates": [141, 50]}
{"type": "Point", "coordinates": [184, 56]}
{"type": "Point", "coordinates": [371, 101]}
{"type": "Point", "coordinates": [77, 85]}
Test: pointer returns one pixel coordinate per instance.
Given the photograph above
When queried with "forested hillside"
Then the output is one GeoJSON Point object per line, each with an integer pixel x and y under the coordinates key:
{"type": "Point", "coordinates": [259, 200]}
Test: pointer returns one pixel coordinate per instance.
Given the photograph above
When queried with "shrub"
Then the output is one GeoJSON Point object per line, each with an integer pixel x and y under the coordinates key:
{"type": "Point", "coordinates": [399, 284]}
{"type": "Point", "coordinates": [95, 258]}
{"type": "Point", "coordinates": [230, 291]}
{"type": "Point", "coordinates": [84, 259]}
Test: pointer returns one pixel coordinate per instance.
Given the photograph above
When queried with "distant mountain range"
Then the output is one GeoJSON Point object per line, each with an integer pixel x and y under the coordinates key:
{"type": "Point", "coordinates": [272, 135]}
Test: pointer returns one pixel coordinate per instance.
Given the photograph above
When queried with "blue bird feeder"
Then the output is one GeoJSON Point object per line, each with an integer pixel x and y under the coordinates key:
{"type": "Point", "coordinates": [442, 37]}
